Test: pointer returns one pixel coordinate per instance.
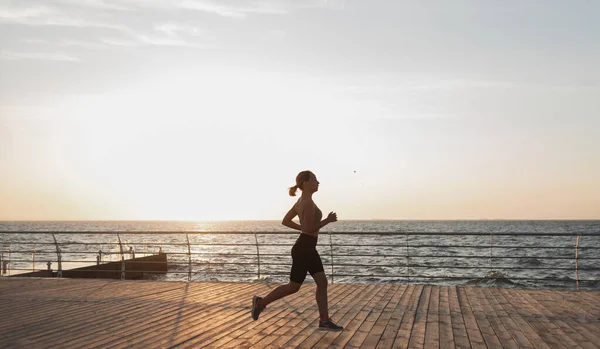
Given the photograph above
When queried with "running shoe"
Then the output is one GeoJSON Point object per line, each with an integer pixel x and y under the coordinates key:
{"type": "Point", "coordinates": [256, 310]}
{"type": "Point", "coordinates": [328, 325]}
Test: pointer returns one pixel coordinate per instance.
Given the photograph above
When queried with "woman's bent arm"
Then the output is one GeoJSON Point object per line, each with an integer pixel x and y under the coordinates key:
{"type": "Point", "coordinates": [287, 220]}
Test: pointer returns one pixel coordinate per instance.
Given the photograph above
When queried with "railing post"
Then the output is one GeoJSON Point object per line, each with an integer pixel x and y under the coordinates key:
{"type": "Point", "coordinates": [58, 254]}
{"type": "Point", "coordinates": [257, 254]}
{"type": "Point", "coordinates": [189, 257]}
{"type": "Point", "coordinates": [491, 249]}
{"type": "Point", "coordinates": [4, 263]}
{"type": "Point", "coordinates": [122, 258]}
{"type": "Point", "coordinates": [331, 251]}
{"type": "Point", "coordinates": [407, 261]}
{"type": "Point", "coordinates": [577, 263]}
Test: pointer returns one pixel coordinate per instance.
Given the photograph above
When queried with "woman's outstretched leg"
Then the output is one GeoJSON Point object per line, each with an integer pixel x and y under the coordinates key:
{"type": "Point", "coordinates": [259, 304]}
{"type": "Point", "coordinates": [280, 292]}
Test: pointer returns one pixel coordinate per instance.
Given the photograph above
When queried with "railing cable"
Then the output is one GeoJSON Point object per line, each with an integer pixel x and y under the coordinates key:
{"type": "Point", "coordinates": [433, 260]}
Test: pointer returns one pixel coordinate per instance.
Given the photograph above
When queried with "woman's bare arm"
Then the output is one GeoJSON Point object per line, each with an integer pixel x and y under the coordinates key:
{"type": "Point", "coordinates": [287, 220]}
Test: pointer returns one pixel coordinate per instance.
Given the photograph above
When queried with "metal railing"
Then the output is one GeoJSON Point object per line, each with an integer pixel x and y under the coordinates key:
{"type": "Point", "coordinates": [438, 257]}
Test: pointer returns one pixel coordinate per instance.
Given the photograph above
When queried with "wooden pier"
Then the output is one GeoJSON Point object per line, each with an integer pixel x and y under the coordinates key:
{"type": "Point", "coordinates": [94, 313]}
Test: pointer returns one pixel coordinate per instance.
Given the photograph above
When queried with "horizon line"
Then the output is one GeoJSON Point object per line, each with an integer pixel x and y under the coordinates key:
{"type": "Point", "coordinates": [277, 220]}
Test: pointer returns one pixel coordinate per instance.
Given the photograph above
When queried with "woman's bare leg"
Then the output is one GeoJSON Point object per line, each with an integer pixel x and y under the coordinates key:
{"type": "Point", "coordinates": [280, 292]}
{"type": "Point", "coordinates": [321, 295]}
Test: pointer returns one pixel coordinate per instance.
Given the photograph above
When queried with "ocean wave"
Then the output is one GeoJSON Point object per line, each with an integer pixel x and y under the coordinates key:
{"type": "Point", "coordinates": [494, 279]}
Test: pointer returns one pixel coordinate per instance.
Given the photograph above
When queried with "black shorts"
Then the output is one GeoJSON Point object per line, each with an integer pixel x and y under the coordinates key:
{"type": "Point", "coordinates": [305, 258]}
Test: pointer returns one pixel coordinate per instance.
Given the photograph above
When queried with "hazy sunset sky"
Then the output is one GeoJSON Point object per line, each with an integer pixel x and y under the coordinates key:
{"type": "Point", "coordinates": [207, 110]}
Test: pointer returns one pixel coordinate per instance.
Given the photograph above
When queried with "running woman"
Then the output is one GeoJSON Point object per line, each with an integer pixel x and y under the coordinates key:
{"type": "Point", "coordinates": [304, 252]}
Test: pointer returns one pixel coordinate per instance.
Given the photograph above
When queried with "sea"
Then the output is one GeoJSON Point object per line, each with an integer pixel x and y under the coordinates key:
{"type": "Point", "coordinates": [469, 253]}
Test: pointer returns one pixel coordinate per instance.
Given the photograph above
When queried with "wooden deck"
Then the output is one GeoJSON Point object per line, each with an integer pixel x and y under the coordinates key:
{"type": "Point", "coordinates": [75, 313]}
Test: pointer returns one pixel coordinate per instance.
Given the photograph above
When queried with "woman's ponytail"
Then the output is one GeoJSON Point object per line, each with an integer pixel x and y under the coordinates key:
{"type": "Point", "coordinates": [300, 178]}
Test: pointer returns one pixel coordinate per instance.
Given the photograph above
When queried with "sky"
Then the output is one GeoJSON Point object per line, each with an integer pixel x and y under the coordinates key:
{"type": "Point", "coordinates": [207, 110]}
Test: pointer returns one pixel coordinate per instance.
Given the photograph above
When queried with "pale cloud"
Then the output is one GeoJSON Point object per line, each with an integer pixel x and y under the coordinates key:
{"type": "Point", "coordinates": [153, 40]}
{"type": "Point", "coordinates": [174, 29]}
{"type": "Point", "coordinates": [84, 14]}
{"type": "Point", "coordinates": [83, 44]}
{"type": "Point", "coordinates": [234, 9]}
{"type": "Point", "coordinates": [23, 14]}
{"type": "Point", "coordinates": [120, 42]}
{"type": "Point", "coordinates": [47, 56]}
{"type": "Point", "coordinates": [66, 43]}
{"type": "Point", "coordinates": [163, 41]}
{"type": "Point", "coordinates": [108, 23]}
{"type": "Point", "coordinates": [46, 16]}
{"type": "Point", "coordinates": [133, 40]}
{"type": "Point", "coordinates": [100, 4]}
{"type": "Point", "coordinates": [241, 9]}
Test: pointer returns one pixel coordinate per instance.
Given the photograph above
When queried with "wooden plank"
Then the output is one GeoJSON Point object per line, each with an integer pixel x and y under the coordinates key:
{"type": "Point", "coordinates": [169, 330]}
{"type": "Point", "coordinates": [542, 317]}
{"type": "Point", "coordinates": [574, 317]}
{"type": "Point", "coordinates": [391, 329]}
{"type": "Point", "coordinates": [357, 316]}
{"type": "Point", "coordinates": [488, 332]}
{"type": "Point", "coordinates": [286, 325]}
{"type": "Point", "coordinates": [255, 331]}
{"type": "Point", "coordinates": [474, 333]}
{"type": "Point", "coordinates": [350, 296]}
{"type": "Point", "coordinates": [404, 333]}
{"type": "Point", "coordinates": [299, 324]}
{"type": "Point", "coordinates": [534, 318]}
{"type": "Point", "coordinates": [432, 329]}
{"type": "Point", "coordinates": [112, 314]}
{"type": "Point", "coordinates": [146, 314]}
{"type": "Point", "coordinates": [516, 316]}
{"type": "Point", "coordinates": [504, 337]}
{"type": "Point", "coordinates": [509, 324]}
{"type": "Point", "coordinates": [56, 291]}
{"type": "Point", "coordinates": [304, 320]}
{"type": "Point", "coordinates": [361, 333]}
{"type": "Point", "coordinates": [139, 313]}
{"type": "Point", "coordinates": [557, 323]}
{"type": "Point", "coordinates": [445, 320]}
{"type": "Point", "coordinates": [349, 327]}
{"type": "Point", "coordinates": [417, 336]}
{"type": "Point", "coordinates": [68, 314]}
{"type": "Point", "coordinates": [376, 333]}
{"type": "Point", "coordinates": [459, 329]}
{"type": "Point", "coordinates": [225, 315]}
{"type": "Point", "coordinates": [322, 339]}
